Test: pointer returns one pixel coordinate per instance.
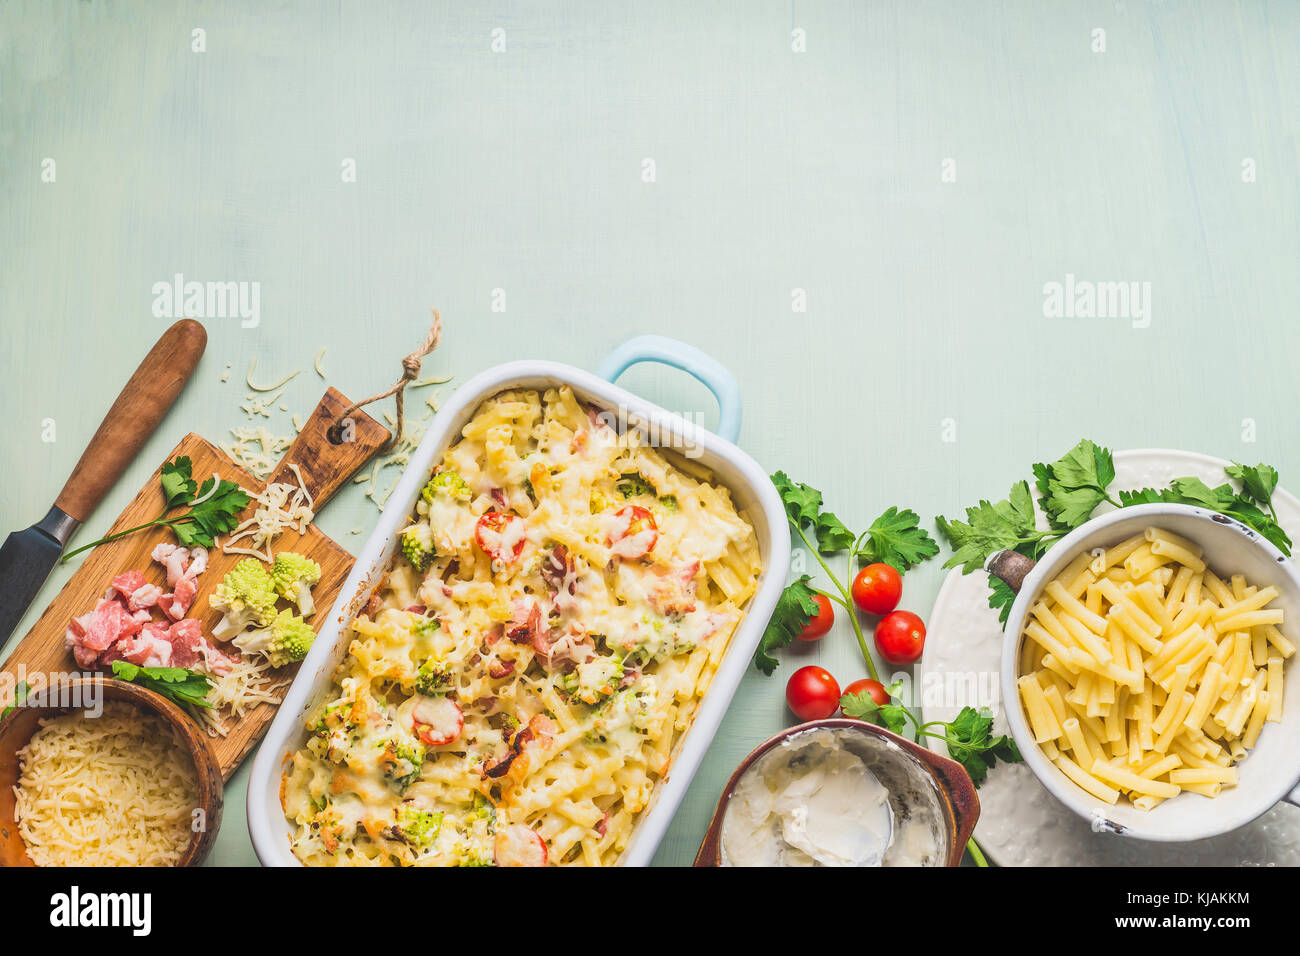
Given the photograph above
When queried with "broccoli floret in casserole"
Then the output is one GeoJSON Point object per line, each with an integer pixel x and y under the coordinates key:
{"type": "Point", "coordinates": [484, 810]}
{"type": "Point", "coordinates": [633, 485]}
{"type": "Point", "coordinates": [423, 626]}
{"type": "Point", "coordinates": [333, 717]}
{"type": "Point", "coordinates": [669, 504]}
{"type": "Point", "coordinates": [418, 827]}
{"type": "Point", "coordinates": [402, 760]}
{"type": "Point", "coordinates": [287, 639]}
{"type": "Point", "coordinates": [245, 597]}
{"type": "Point", "coordinates": [431, 679]}
{"type": "Point", "coordinates": [417, 545]}
{"type": "Point", "coordinates": [294, 576]}
{"type": "Point", "coordinates": [593, 680]}
{"type": "Point", "coordinates": [447, 483]}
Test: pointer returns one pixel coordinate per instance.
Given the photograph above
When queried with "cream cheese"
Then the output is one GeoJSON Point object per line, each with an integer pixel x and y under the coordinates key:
{"type": "Point", "coordinates": [812, 801]}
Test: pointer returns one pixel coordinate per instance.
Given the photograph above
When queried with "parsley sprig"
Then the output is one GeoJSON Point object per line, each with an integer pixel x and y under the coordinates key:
{"type": "Point", "coordinates": [1071, 488]}
{"type": "Point", "coordinates": [969, 736]}
{"type": "Point", "coordinates": [181, 686]}
{"type": "Point", "coordinates": [895, 538]}
{"type": "Point", "coordinates": [215, 514]}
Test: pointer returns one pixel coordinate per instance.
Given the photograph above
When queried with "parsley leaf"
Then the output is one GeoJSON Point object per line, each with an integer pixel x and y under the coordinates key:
{"type": "Point", "coordinates": [212, 516]}
{"type": "Point", "coordinates": [1257, 481]}
{"type": "Point", "coordinates": [803, 506]}
{"type": "Point", "coordinates": [1071, 488]}
{"type": "Point", "coordinates": [971, 744]}
{"type": "Point", "coordinates": [897, 539]}
{"type": "Point", "coordinates": [802, 503]}
{"type": "Point", "coordinates": [177, 483]}
{"type": "Point", "coordinates": [177, 684]}
{"type": "Point", "coordinates": [990, 528]}
{"type": "Point", "coordinates": [891, 716]}
{"type": "Point", "coordinates": [832, 536]}
{"type": "Point", "coordinates": [1001, 597]}
{"type": "Point", "coordinates": [1076, 484]}
{"type": "Point", "coordinates": [794, 609]}
{"type": "Point", "coordinates": [969, 736]}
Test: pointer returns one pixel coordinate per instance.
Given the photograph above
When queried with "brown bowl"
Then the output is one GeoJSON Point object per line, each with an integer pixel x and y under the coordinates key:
{"type": "Point", "coordinates": [17, 729]}
{"type": "Point", "coordinates": [957, 800]}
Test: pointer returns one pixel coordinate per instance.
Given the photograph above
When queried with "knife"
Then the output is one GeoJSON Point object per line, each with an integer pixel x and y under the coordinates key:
{"type": "Point", "coordinates": [27, 556]}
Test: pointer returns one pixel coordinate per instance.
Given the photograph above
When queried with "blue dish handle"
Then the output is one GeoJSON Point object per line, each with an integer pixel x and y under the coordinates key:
{"type": "Point", "coordinates": [699, 365]}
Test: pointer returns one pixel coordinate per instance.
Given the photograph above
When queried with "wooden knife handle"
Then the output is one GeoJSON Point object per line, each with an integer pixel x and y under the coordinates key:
{"type": "Point", "coordinates": [139, 408]}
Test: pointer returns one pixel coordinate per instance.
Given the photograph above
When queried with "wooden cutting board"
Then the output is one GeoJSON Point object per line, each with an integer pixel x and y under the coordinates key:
{"type": "Point", "coordinates": [324, 465]}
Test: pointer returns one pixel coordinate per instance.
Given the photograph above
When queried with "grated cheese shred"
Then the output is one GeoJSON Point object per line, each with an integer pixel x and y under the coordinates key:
{"type": "Point", "coordinates": [281, 505]}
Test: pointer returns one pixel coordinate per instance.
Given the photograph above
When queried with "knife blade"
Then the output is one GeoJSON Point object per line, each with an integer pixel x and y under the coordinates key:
{"type": "Point", "coordinates": [27, 556]}
{"type": "Point", "coordinates": [26, 559]}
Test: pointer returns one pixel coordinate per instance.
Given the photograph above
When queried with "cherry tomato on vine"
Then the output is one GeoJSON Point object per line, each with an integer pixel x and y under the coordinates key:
{"type": "Point", "coordinates": [868, 686]}
{"type": "Point", "coordinates": [877, 588]}
{"type": "Point", "coordinates": [812, 693]}
{"type": "Point", "coordinates": [820, 622]}
{"type": "Point", "coordinates": [900, 637]}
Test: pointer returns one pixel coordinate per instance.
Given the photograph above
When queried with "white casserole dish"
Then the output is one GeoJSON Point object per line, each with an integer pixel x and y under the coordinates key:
{"type": "Point", "coordinates": [750, 488]}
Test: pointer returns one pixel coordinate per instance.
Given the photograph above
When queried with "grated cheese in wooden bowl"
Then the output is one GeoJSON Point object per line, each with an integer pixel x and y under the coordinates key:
{"type": "Point", "coordinates": [113, 790]}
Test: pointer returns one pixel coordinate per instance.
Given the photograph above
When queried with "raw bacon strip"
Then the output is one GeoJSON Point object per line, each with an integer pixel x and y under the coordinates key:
{"type": "Point", "coordinates": [177, 604]}
{"type": "Point", "coordinates": [143, 597]}
{"type": "Point", "coordinates": [150, 648]}
{"type": "Point", "coordinates": [192, 650]}
{"type": "Point", "coordinates": [126, 584]}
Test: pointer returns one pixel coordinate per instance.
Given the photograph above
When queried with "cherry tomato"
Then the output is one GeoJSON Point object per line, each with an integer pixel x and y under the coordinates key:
{"type": "Point", "coordinates": [821, 621]}
{"type": "Point", "coordinates": [900, 637]}
{"type": "Point", "coordinates": [633, 532]}
{"type": "Point", "coordinates": [812, 693]}
{"type": "Point", "coordinates": [500, 535]}
{"type": "Point", "coordinates": [437, 720]}
{"type": "Point", "coordinates": [877, 588]}
{"type": "Point", "coordinates": [869, 686]}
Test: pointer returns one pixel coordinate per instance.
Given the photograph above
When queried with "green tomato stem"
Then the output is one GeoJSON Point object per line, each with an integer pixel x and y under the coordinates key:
{"type": "Point", "coordinates": [844, 602]}
{"type": "Point", "coordinates": [976, 854]}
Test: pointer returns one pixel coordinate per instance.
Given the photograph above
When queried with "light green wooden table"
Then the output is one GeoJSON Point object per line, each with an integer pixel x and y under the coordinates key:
{"type": "Point", "coordinates": [912, 175]}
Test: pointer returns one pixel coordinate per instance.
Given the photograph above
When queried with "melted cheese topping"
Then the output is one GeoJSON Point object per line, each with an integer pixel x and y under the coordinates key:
{"type": "Point", "coordinates": [575, 666]}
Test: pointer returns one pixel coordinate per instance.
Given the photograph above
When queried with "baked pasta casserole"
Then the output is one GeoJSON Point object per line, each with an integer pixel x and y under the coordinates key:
{"type": "Point", "coordinates": [514, 689]}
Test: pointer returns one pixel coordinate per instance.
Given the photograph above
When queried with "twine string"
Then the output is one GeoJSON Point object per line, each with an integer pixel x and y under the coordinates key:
{"type": "Point", "coordinates": [410, 372]}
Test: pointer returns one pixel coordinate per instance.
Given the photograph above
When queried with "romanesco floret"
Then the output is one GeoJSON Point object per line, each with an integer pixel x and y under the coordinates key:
{"type": "Point", "coordinates": [245, 597]}
{"type": "Point", "coordinates": [418, 827]}
{"type": "Point", "coordinates": [294, 576]}
{"type": "Point", "coordinates": [448, 483]}
{"type": "Point", "coordinates": [417, 545]}
{"type": "Point", "coordinates": [288, 638]}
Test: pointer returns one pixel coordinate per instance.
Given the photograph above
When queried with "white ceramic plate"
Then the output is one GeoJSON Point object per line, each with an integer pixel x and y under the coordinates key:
{"type": "Point", "coordinates": [1021, 824]}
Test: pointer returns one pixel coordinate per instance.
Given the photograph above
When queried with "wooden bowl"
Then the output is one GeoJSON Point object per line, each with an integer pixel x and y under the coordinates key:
{"type": "Point", "coordinates": [957, 800]}
{"type": "Point", "coordinates": [17, 729]}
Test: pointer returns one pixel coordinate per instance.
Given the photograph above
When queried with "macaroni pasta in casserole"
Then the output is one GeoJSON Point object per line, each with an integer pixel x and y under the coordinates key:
{"type": "Point", "coordinates": [514, 690]}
